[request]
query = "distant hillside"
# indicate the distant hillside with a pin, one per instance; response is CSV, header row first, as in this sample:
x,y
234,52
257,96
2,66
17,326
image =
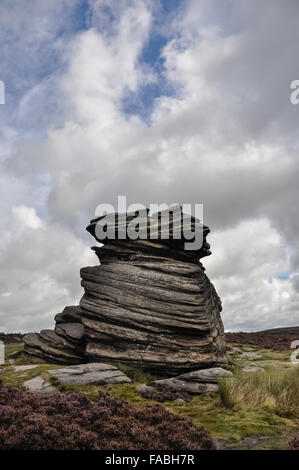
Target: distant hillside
x,y
276,338
11,337
288,329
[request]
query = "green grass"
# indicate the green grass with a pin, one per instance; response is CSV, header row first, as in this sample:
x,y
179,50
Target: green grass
x,y
276,390
13,350
129,393
251,404
138,375
232,425
14,378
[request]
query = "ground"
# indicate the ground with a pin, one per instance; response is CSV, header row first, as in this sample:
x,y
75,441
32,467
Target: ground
x,y
266,423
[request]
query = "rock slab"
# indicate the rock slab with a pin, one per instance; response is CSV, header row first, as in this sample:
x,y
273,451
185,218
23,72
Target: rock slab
x,y
64,345
196,382
38,384
89,374
252,369
251,356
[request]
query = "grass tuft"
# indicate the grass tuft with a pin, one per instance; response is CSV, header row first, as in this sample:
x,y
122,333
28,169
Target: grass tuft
x,y
273,389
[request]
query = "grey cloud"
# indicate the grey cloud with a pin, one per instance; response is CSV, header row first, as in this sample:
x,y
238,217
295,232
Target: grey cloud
x,y
228,140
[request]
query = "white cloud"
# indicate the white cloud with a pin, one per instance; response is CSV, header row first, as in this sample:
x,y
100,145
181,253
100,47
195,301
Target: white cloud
x,y
227,139
245,266
40,276
26,217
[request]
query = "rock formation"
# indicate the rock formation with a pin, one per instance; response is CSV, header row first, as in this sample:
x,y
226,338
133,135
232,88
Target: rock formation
x,y
196,382
64,345
149,304
89,374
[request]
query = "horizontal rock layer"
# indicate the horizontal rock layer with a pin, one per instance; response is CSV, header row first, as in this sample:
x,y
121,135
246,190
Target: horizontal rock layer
x,y
151,310
173,229
89,374
196,382
64,345
149,304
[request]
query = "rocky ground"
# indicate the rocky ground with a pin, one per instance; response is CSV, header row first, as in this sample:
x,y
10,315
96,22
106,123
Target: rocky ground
x,y
258,425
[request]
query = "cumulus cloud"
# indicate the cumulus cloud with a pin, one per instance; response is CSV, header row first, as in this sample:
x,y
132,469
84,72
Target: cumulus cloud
x,y
40,270
246,267
226,136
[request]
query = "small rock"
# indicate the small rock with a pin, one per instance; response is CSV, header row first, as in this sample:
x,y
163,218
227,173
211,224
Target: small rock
x,y
11,361
252,369
195,388
234,350
71,314
179,401
145,388
205,375
280,367
17,368
38,384
251,356
196,382
95,373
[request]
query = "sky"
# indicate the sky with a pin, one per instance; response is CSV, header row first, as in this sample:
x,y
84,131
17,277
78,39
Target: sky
x,y
164,101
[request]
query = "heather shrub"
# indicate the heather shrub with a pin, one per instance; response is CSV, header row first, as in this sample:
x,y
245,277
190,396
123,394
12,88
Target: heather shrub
x,y
30,421
279,342
163,393
294,444
9,338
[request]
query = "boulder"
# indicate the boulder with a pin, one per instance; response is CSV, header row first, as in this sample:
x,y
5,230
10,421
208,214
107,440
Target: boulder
x,y
21,368
55,346
148,305
89,374
70,331
251,356
195,382
145,388
70,314
252,369
38,384
195,388
206,375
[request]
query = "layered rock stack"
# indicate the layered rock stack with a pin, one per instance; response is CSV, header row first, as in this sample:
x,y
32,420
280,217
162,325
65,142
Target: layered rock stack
x,y
64,345
149,304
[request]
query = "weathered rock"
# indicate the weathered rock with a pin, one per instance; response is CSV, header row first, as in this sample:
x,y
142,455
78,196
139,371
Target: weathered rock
x,y
145,388
234,350
190,387
148,305
206,375
179,401
70,331
48,346
38,384
21,368
251,356
71,314
195,382
282,366
92,374
252,369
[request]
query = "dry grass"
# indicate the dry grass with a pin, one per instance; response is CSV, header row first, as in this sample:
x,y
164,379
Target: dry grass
x,y
276,390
